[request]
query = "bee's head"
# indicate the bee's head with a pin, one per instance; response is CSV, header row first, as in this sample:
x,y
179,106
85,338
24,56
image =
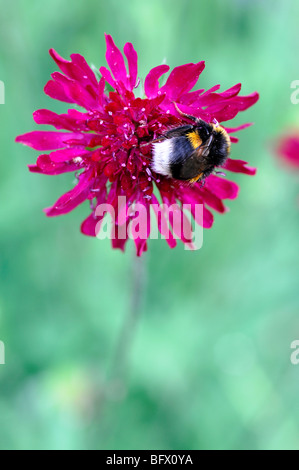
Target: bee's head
x,y
216,142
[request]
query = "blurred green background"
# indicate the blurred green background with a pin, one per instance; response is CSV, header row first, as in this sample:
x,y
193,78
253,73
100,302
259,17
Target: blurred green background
x,y
209,366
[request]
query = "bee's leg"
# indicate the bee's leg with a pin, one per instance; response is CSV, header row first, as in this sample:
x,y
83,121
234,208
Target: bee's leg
x,y
206,146
220,173
178,131
159,139
188,116
216,122
197,178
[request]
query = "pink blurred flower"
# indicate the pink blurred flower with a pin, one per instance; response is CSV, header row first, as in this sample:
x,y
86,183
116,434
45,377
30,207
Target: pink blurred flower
x,y
104,145
288,149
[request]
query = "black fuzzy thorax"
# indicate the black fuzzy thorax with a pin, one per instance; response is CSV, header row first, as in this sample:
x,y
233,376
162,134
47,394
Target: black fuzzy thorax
x,y
185,164
219,147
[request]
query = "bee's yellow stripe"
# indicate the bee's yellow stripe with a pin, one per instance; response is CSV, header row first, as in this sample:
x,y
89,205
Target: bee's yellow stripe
x,y
194,139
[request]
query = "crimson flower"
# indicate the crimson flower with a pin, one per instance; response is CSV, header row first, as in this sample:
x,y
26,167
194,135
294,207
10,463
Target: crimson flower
x,y
108,146
288,149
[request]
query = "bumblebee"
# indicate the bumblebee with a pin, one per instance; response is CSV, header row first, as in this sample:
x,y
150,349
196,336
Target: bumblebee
x,y
191,152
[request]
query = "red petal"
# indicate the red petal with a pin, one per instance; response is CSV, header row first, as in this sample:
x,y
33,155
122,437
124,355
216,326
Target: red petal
x,y
67,154
87,71
181,224
45,166
222,188
239,166
213,201
231,130
73,198
81,96
56,91
228,109
59,121
88,226
151,83
162,223
44,140
132,59
208,218
209,97
74,91
115,61
182,79
108,77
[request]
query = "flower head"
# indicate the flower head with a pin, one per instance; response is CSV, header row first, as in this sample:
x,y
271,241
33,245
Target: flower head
x,y
288,149
108,146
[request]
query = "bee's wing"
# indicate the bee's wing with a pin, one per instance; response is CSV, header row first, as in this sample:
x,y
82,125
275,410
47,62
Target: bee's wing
x,y
193,166
204,149
197,163
178,131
